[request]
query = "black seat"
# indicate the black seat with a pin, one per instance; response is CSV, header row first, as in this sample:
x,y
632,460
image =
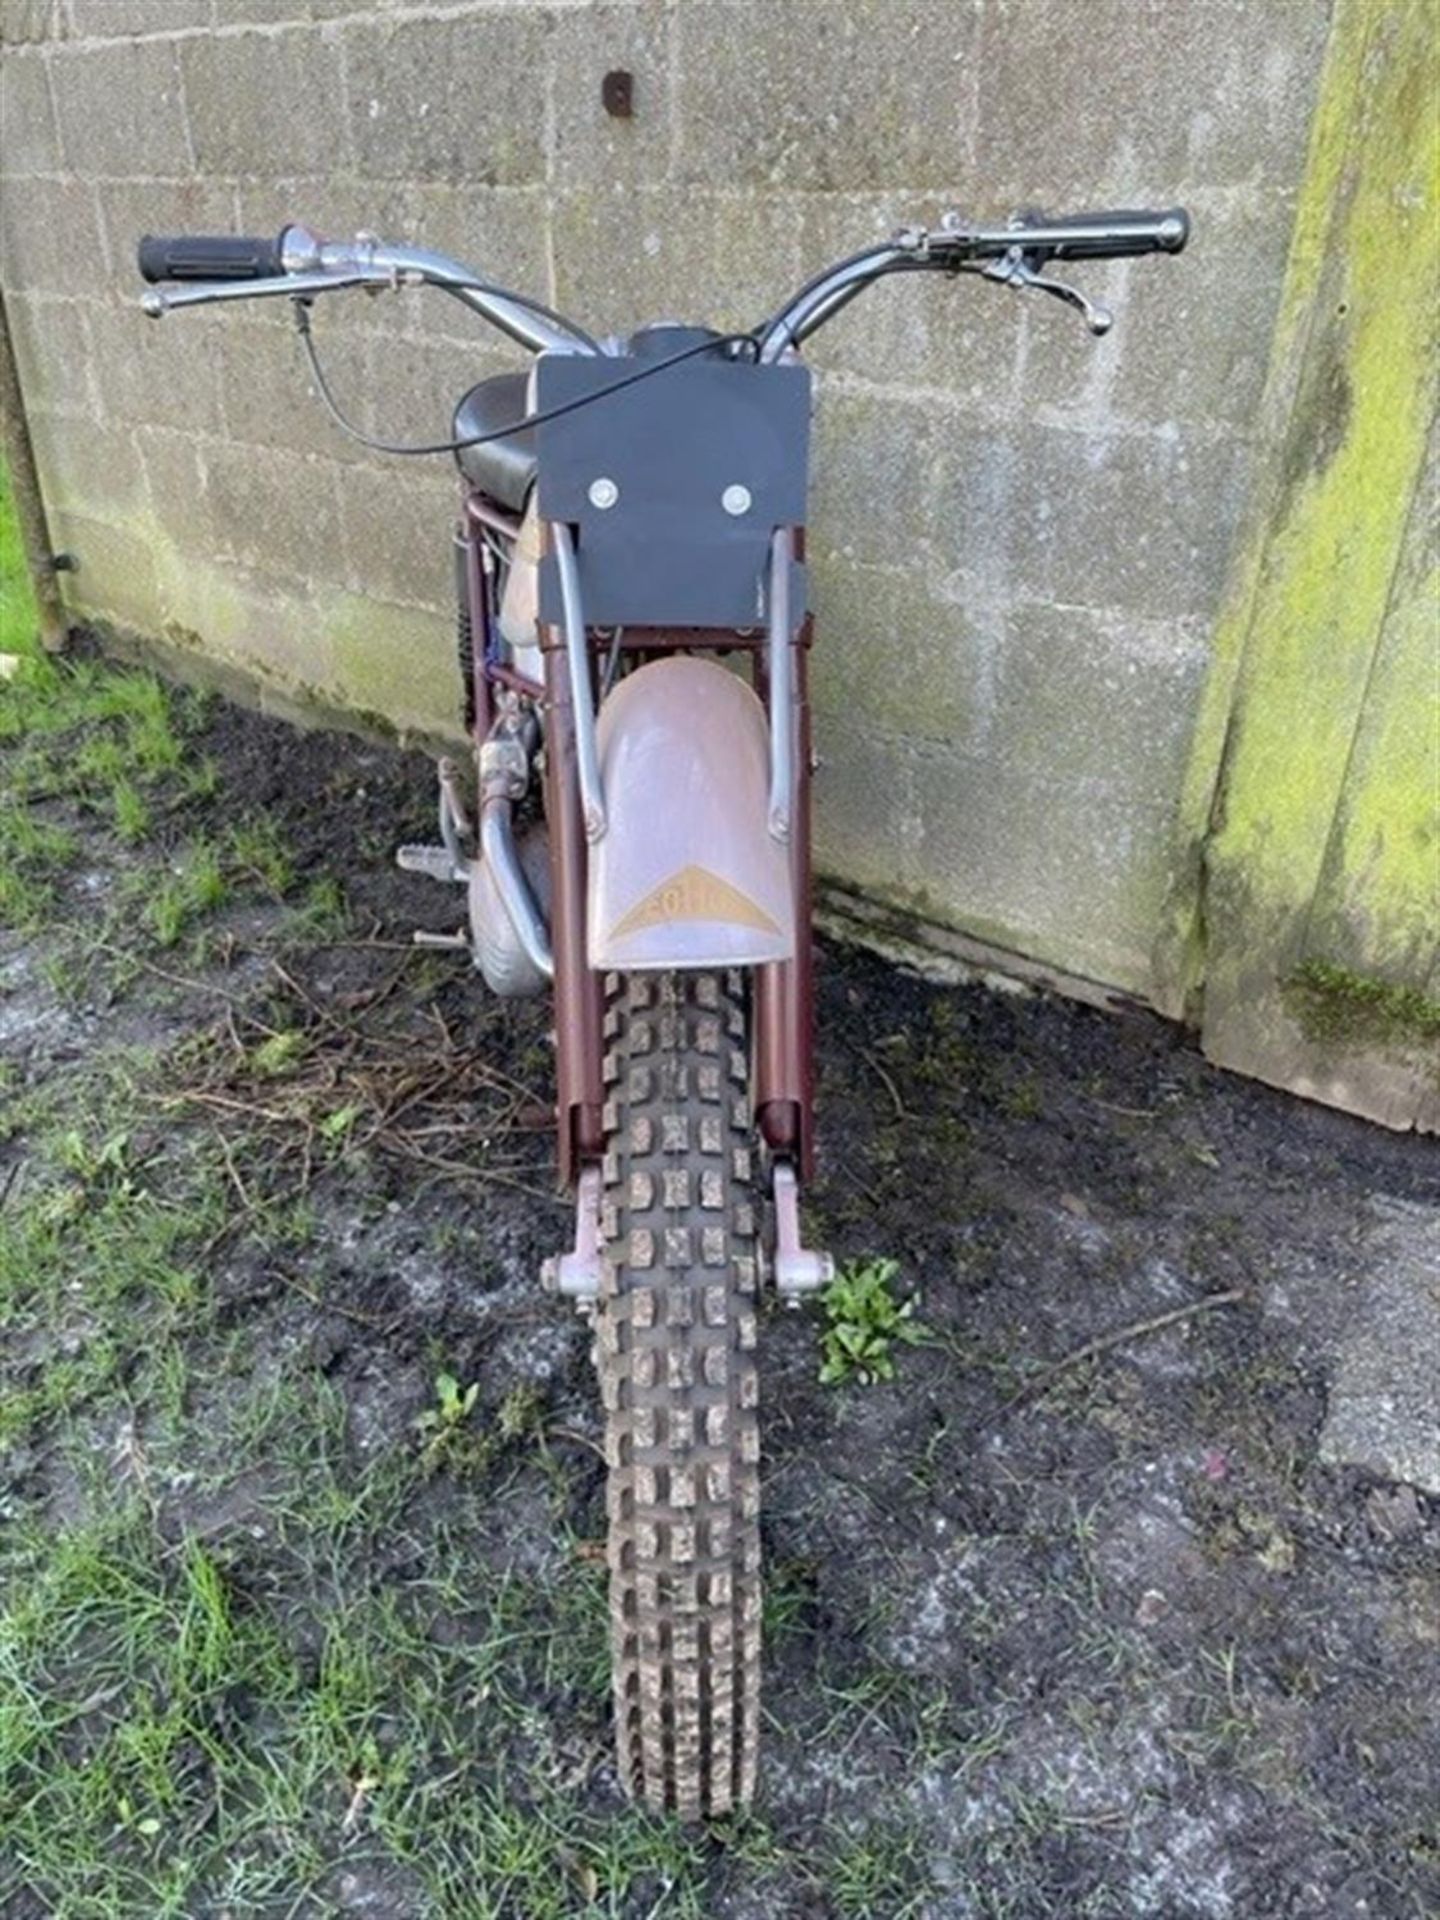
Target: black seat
x,y
503,468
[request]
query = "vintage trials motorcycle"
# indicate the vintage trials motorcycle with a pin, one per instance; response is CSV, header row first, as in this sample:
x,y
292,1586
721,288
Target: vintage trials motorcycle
x,y
630,533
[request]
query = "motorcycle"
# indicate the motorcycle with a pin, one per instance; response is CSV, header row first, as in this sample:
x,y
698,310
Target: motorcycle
x,y
633,636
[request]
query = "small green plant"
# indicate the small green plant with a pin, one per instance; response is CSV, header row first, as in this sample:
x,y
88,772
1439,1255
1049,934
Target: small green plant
x,y
255,847
132,815
196,887
864,1321
444,1424
336,1126
277,1053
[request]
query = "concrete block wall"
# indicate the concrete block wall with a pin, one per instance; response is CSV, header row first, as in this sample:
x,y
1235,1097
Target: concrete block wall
x,y
1020,536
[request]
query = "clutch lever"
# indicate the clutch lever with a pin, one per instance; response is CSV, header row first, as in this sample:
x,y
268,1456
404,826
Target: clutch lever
x,y
1020,269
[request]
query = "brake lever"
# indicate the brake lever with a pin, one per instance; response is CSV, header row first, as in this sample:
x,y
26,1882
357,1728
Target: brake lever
x,y
1016,269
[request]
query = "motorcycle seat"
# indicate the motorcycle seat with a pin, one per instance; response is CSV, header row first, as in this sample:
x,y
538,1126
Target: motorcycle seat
x,y
504,469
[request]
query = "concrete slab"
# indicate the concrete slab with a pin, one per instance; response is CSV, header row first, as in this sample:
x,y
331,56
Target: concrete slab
x,y
1384,1411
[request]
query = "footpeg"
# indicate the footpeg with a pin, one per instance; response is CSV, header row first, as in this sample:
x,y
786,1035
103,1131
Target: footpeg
x,y
799,1271
576,1274
436,863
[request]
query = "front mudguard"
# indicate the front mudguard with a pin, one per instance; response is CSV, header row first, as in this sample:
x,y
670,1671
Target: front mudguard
x,y
687,873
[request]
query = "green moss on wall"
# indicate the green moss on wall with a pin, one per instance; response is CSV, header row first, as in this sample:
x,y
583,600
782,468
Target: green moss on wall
x,y
1336,1006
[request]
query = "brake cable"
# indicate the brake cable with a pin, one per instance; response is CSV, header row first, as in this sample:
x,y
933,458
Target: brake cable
x,y
526,421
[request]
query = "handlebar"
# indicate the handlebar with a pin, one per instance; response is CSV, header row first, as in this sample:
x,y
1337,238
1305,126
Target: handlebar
x,y
1119,235
298,265
209,256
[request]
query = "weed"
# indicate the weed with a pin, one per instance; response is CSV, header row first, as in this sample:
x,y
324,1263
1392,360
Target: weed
x,y
335,1126
322,914
877,1870
256,849
444,1423
277,1053
864,1321
132,814
194,887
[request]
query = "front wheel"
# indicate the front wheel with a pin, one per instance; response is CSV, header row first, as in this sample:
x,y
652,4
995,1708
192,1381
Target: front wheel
x,y
675,1351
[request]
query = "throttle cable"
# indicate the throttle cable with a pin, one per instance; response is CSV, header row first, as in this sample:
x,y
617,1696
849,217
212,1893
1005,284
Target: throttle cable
x,y
521,425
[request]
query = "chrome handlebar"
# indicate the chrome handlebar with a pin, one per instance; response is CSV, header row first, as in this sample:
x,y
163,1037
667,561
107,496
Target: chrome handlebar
x,y
1013,254
314,266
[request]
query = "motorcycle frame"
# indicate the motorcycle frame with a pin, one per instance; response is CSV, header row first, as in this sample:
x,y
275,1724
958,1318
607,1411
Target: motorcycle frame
x,y
783,991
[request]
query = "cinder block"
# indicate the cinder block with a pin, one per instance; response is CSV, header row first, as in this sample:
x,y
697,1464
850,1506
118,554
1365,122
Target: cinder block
x,y
1137,522
869,470
114,575
267,626
52,354
1130,102
397,662
277,512
158,373
455,100
125,19
177,482
88,466
892,651
875,93
1102,700
396,528
590,143
267,104
120,109
623,256
867,827
50,238
29,139
1068,872
25,22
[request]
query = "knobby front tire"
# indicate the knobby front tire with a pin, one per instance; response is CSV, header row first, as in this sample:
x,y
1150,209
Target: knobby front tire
x,y
676,1354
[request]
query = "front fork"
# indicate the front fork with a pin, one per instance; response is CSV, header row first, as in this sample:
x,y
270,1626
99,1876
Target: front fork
x,y
783,1059
784,1003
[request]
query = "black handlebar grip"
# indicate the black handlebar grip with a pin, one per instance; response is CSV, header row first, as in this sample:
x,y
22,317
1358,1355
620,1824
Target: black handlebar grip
x,y
1127,231
209,256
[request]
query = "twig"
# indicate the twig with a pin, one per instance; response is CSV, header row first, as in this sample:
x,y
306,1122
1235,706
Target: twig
x,y
319,1301
201,1097
901,1111
178,979
580,1439
234,1172
458,1169
1042,1382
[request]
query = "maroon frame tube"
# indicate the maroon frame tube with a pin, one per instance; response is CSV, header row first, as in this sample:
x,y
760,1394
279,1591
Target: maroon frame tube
x,y
785,989
477,589
579,992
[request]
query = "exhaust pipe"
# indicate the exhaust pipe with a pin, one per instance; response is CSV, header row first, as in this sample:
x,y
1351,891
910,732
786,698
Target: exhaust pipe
x,y
504,779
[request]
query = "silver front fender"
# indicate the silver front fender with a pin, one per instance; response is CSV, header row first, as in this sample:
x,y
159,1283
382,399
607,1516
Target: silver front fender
x,y
688,873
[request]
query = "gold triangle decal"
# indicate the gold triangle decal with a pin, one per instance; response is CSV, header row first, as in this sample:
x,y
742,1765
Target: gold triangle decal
x,y
694,894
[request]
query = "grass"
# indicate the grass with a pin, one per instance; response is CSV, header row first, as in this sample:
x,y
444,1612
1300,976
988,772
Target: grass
x,y
17,600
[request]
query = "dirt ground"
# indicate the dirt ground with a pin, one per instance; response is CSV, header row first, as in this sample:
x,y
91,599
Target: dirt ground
x,y
281,1638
